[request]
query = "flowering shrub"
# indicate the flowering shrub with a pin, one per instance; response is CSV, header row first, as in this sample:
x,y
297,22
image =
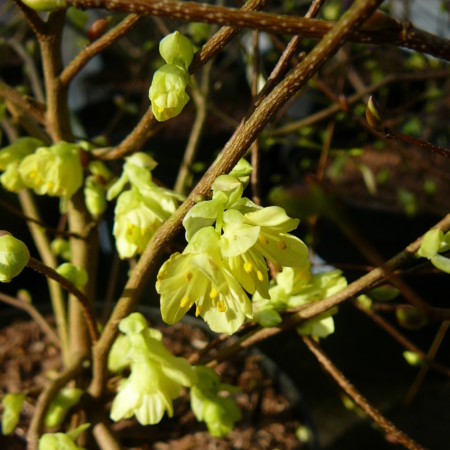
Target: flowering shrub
x,y
242,267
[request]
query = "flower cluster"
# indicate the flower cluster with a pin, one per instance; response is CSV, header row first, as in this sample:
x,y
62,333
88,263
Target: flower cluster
x,y
230,239
168,89
54,170
140,210
435,242
14,256
296,286
156,375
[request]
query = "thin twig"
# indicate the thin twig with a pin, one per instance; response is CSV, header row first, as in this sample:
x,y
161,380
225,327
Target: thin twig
x,y
46,397
358,398
400,338
429,358
199,95
35,314
36,265
96,47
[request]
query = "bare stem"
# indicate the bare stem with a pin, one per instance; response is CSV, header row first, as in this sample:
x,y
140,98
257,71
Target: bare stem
x,y
358,398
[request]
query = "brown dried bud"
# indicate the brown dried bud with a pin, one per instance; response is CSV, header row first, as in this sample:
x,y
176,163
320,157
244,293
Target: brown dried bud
x,y
97,29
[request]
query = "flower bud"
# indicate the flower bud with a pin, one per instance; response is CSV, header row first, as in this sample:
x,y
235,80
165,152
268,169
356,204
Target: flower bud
x,y
14,256
55,170
95,197
167,92
373,115
76,275
12,406
410,317
60,247
176,49
66,399
45,5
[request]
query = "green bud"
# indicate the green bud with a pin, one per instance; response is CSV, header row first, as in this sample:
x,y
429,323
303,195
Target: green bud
x,y
431,243
55,170
176,49
24,296
412,358
373,115
45,5
12,407
59,407
14,256
99,169
167,92
95,197
60,247
76,275
411,317
57,441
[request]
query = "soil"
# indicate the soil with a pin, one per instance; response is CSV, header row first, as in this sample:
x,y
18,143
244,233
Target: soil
x,y
270,419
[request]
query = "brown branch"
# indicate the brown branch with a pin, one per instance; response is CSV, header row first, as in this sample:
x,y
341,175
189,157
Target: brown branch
x,y
98,46
36,265
387,31
234,150
46,397
33,19
358,398
34,109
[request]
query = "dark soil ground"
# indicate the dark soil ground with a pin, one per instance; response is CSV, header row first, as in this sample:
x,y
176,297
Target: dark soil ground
x,y
270,419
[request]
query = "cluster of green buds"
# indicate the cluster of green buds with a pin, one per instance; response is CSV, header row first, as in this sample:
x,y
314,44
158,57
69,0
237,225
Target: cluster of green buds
x,y
168,89
141,209
156,376
230,239
55,171
296,286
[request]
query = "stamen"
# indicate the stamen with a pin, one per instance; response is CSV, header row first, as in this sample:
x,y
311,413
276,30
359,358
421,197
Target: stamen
x,y
281,245
213,294
221,307
184,301
188,276
143,231
198,310
263,239
130,228
260,275
248,267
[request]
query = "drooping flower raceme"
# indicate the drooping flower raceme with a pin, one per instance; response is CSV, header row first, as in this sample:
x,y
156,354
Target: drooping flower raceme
x,y
200,276
156,375
168,89
141,210
54,171
230,238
